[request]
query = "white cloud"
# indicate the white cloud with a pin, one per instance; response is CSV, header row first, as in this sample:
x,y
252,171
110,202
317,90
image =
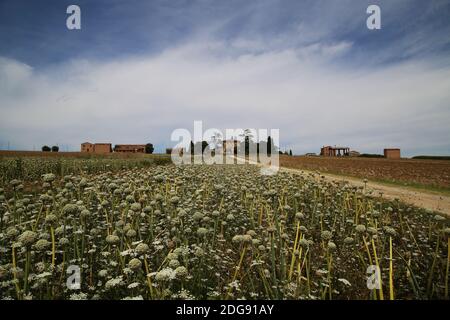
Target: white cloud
x,y
311,100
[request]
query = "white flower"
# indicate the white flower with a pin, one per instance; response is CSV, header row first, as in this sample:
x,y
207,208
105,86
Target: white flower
x,y
133,285
126,252
78,296
112,239
135,264
49,177
181,272
112,283
41,244
202,231
326,235
174,263
28,238
345,281
165,274
141,248
139,297
43,275
103,273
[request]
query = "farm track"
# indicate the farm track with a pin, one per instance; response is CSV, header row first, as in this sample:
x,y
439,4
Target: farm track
x,y
427,200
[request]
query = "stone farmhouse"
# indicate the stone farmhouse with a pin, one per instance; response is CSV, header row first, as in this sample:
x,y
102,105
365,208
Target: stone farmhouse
x,y
102,148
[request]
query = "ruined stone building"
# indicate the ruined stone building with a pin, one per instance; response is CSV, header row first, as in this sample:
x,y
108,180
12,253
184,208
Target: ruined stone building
x,y
329,151
96,147
392,153
102,148
130,148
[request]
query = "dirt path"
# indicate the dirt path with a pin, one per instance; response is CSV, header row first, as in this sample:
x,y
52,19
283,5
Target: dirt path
x,y
422,199
432,201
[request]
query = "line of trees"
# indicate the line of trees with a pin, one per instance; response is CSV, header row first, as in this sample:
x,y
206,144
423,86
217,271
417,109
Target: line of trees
x,y
247,144
286,152
216,143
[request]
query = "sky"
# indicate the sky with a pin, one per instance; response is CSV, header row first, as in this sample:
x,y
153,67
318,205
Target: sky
x,y
138,70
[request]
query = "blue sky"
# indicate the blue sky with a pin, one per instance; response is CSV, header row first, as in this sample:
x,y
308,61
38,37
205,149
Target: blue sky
x,y
137,70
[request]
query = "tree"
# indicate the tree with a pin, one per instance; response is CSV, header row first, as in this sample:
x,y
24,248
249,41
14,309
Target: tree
x,y
192,148
55,149
46,148
290,152
247,135
204,145
216,141
149,148
269,146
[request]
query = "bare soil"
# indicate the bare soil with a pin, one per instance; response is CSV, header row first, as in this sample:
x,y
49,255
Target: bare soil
x,y
422,199
406,172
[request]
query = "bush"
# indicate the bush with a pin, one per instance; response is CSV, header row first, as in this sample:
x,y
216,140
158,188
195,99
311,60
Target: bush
x,y
55,149
149,148
370,155
432,157
46,149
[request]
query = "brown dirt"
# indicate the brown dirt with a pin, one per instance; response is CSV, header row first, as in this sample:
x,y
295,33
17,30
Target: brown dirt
x,y
432,173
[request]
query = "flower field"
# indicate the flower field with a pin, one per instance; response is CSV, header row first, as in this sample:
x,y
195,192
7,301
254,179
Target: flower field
x,y
31,168
213,232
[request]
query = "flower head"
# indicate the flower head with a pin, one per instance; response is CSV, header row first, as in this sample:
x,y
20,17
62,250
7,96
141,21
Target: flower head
x,y
28,238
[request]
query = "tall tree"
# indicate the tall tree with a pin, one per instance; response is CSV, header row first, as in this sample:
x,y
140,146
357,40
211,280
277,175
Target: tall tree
x,y
191,147
149,148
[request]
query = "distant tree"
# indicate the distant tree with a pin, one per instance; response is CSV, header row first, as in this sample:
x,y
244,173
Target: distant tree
x,y
290,152
432,157
204,145
169,150
280,152
370,155
55,149
216,141
191,148
149,148
46,149
269,146
199,145
247,135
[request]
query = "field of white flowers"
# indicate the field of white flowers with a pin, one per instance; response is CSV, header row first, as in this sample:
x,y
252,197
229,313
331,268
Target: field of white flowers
x,y
213,232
